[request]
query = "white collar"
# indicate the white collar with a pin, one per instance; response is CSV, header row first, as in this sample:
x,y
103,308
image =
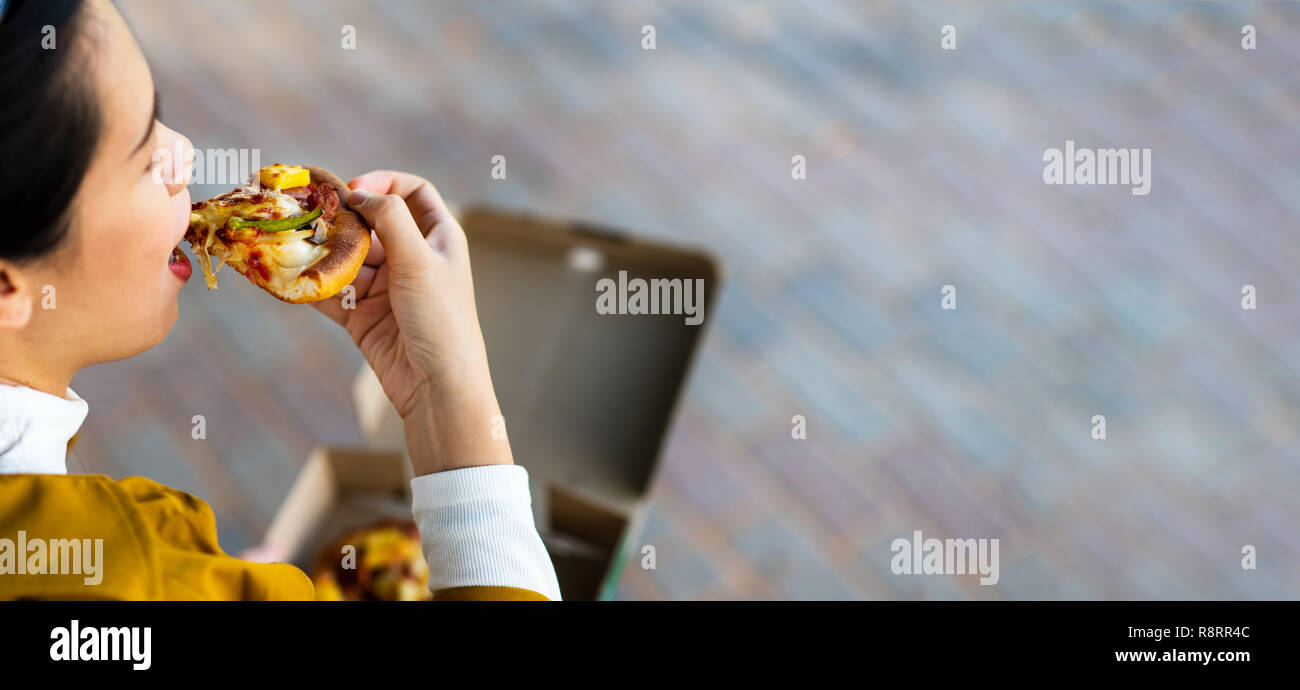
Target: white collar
x,y
35,428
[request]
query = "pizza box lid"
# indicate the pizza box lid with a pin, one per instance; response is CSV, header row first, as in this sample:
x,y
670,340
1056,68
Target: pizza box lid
x,y
587,397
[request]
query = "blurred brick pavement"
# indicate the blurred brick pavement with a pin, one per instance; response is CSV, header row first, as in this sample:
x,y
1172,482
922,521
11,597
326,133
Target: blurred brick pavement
x,y
924,169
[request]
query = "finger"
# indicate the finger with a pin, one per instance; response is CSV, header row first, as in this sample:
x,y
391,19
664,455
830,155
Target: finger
x,y
374,257
427,207
361,285
426,204
388,215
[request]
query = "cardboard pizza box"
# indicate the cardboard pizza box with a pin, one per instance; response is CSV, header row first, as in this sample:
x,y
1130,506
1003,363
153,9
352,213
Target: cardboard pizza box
x,y
338,490
587,397
341,489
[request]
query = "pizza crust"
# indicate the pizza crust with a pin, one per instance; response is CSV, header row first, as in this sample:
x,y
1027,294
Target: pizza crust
x,y
348,244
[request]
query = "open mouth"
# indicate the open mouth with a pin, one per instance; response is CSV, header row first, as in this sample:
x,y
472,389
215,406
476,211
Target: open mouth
x,y
180,264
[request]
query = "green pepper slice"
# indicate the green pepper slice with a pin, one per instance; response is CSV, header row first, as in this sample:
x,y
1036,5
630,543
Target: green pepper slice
x,y
276,224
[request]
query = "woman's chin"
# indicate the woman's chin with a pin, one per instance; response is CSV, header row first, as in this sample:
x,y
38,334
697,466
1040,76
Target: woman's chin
x,y
161,325
148,336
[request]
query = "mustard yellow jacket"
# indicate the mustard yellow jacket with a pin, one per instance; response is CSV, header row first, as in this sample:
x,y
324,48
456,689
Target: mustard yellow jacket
x,y
158,543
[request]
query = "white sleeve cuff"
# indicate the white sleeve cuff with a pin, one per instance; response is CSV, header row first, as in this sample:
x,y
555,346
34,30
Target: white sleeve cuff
x,y
476,527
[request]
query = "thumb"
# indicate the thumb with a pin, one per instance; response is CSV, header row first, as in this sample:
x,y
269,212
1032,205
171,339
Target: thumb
x,y
387,214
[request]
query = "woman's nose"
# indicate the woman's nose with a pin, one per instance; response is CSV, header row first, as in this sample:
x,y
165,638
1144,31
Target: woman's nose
x,y
184,162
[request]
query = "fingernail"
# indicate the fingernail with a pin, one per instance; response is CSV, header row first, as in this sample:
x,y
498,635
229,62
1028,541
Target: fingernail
x,y
358,197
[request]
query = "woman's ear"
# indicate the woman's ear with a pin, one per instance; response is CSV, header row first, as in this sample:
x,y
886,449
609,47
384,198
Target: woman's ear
x,y
15,299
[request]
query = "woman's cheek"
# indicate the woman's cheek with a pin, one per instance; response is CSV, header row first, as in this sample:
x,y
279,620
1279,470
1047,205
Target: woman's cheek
x,y
153,228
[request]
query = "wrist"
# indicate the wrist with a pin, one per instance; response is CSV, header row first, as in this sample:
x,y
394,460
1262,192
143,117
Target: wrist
x,y
453,432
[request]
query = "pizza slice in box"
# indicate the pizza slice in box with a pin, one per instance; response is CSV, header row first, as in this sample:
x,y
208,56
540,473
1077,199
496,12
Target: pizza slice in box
x,y
385,563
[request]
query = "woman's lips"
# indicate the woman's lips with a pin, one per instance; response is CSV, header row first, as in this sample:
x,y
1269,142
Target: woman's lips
x,y
180,265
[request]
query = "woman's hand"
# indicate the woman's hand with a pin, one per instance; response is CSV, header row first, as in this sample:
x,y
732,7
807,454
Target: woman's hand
x,y
415,321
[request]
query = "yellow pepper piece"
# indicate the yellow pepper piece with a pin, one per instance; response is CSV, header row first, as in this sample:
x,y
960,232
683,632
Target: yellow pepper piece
x,y
279,176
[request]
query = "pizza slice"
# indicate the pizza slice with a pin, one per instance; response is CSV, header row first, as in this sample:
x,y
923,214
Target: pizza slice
x,y
387,564
292,235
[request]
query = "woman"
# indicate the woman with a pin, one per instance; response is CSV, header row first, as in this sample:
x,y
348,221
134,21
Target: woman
x,y
84,214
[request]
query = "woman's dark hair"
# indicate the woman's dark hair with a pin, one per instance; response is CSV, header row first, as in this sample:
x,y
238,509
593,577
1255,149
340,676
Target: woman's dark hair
x,y
49,123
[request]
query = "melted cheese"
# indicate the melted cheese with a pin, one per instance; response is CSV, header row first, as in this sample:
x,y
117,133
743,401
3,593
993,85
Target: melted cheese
x,y
245,204
285,255
296,254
